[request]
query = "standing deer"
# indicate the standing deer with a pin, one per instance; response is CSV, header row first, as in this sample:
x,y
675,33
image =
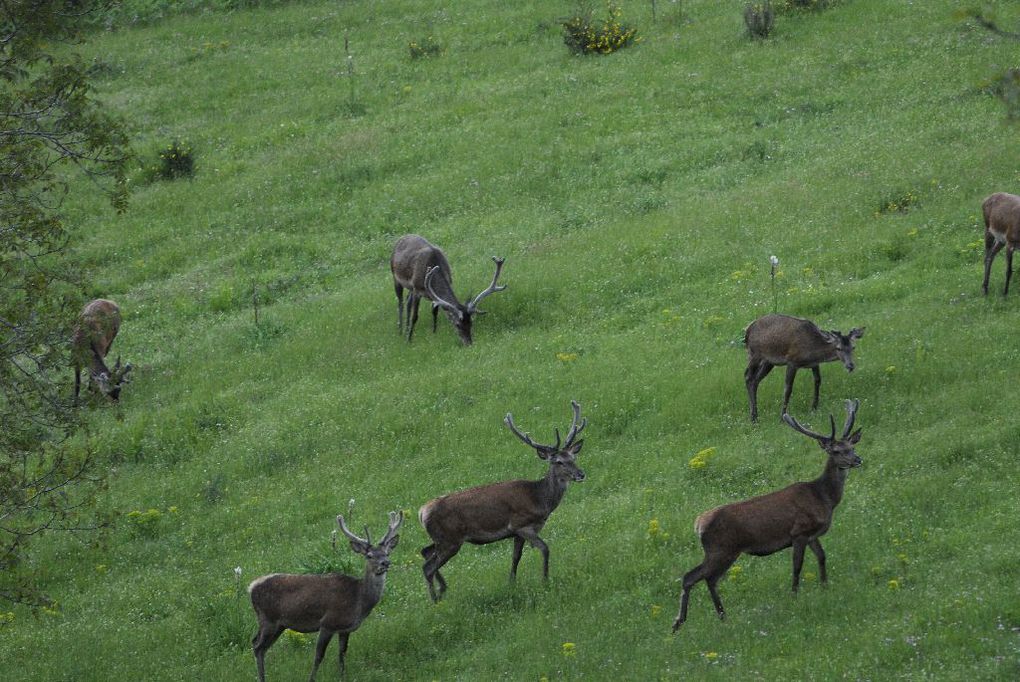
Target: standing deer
x,y
797,515
784,340
1002,228
423,270
97,327
510,509
330,603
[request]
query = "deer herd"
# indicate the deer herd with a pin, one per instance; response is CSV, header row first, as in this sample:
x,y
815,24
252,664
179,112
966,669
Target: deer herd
x,y
795,516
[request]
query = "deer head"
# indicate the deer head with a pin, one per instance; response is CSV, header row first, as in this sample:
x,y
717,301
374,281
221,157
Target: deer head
x,y
109,382
378,556
840,450
460,314
843,345
561,459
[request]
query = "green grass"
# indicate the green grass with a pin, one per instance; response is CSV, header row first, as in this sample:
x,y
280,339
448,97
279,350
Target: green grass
x,y
637,198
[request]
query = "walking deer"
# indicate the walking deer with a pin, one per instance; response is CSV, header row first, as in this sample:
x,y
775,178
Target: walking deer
x,y
784,340
1002,228
330,603
97,327
423,270
498,511
797,515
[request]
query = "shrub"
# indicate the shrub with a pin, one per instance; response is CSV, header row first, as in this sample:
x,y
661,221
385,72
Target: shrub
x,y
583,35
788,6
175,161
759,19
425,48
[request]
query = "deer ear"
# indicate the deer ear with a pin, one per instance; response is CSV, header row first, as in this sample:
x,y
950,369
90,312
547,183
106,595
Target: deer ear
x,y
359,547
545,452
856,332
392,542
576,447
855,437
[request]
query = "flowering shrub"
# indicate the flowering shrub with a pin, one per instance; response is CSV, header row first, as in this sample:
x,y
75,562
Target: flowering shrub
x,y
584,35
424,48
175,161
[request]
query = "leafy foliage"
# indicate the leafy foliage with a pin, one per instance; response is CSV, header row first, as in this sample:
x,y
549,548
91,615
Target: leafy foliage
x,y
48,121
759,19
582,34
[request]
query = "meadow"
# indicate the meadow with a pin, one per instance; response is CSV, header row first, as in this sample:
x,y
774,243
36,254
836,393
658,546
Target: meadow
x,y
637,198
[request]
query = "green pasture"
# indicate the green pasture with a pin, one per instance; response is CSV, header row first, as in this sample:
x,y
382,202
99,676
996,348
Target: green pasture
x,y
637,198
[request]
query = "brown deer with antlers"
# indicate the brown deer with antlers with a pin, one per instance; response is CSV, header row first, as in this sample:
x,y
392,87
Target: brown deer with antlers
x,y
797,343
422,269
330,603
794,516
97,327
498,511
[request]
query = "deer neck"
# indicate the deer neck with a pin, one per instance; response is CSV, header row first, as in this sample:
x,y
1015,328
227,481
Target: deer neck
x,y
551,490
96,363
829,485
371,588
441,285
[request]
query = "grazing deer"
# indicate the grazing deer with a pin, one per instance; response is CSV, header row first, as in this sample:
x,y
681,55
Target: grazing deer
x,y
1002,228
423,270
97,327
783,340
797,515
510,509
330,603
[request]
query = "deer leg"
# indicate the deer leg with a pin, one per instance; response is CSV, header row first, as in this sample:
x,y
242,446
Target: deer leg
x,y
77,381
798,562
537,542
412,314
400,306
818,385
816,547
342,643
431,570
992,247
1009,268
435,317
518,549
261,642
691,579
791,372
751,383
320,650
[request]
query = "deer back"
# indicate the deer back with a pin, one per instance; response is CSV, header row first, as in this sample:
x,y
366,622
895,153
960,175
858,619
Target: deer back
x,y
413,256
484,513
786,340
307,602
97,327
1002,217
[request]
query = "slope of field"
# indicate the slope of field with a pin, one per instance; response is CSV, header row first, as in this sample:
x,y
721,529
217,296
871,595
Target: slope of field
x,y
637,198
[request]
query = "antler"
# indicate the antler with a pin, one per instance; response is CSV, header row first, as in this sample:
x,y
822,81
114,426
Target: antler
x,y
473,305
807,432
346,531
574,428
396,518
509,421
436,298
851,415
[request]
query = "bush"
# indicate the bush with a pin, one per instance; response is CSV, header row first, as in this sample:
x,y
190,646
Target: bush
x,y
788,6
583,35
425,48
175,161
759,19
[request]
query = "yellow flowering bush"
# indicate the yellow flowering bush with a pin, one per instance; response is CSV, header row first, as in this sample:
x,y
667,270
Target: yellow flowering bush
x,y
175,161
700,459
424,48
584,35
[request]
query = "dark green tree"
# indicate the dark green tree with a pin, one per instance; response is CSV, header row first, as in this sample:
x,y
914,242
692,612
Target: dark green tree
x,y
51,130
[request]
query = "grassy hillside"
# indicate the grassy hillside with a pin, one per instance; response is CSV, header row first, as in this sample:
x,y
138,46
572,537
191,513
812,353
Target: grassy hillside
x,y
637,198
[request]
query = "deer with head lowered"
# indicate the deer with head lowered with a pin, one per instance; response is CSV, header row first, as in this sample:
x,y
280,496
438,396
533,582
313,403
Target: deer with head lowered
x,y
498,511
795,516
795,342
330,603
422,269
1002,229
97,327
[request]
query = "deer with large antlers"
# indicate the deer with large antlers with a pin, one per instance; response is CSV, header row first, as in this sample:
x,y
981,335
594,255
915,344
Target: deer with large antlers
x,y
795,516
97,327
330,603
498,511
422,269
